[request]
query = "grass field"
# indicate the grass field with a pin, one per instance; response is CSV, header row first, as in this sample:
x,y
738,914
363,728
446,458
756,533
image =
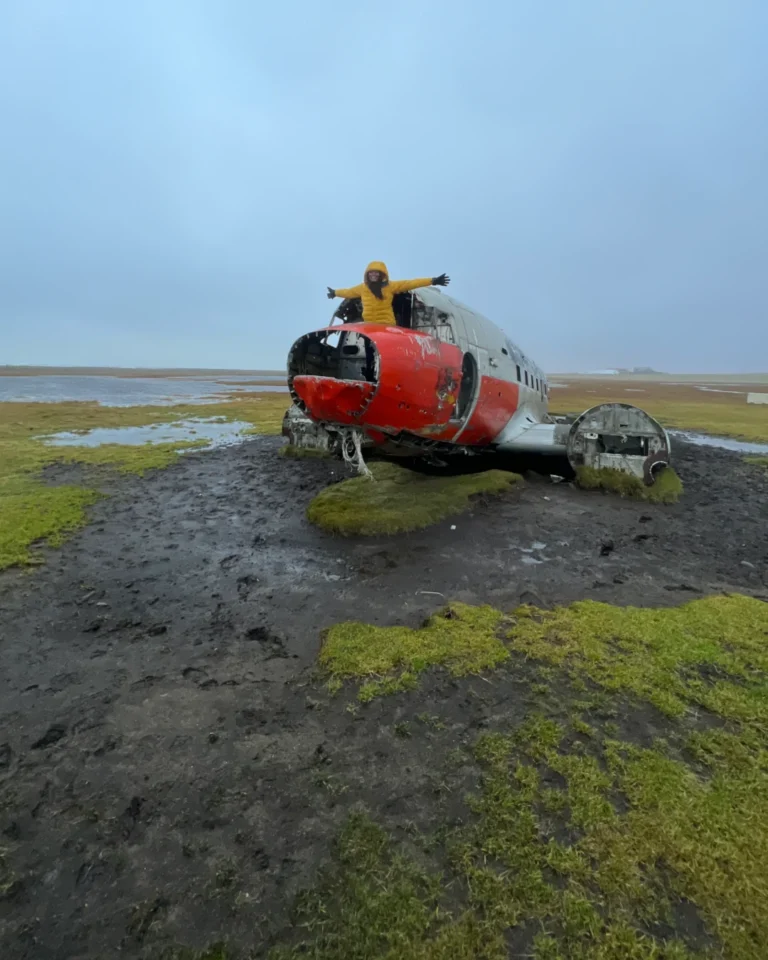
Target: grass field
x,y
679,405
31,511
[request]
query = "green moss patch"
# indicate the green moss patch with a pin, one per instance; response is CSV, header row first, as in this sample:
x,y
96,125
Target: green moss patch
x,y
461,638
303,453
578,843
40,514
711,653
758,461
667,488
398,500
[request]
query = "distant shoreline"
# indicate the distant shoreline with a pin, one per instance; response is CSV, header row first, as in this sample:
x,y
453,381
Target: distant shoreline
x,y
164,373
168,373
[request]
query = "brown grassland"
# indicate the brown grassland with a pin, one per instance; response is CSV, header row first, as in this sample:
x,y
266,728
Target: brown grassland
x,y
679,405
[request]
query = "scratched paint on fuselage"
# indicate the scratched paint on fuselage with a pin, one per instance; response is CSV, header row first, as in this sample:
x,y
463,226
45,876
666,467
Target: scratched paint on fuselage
x,y
413,367
496,403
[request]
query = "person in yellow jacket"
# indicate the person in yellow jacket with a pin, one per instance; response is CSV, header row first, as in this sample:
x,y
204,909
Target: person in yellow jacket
x,y
377,290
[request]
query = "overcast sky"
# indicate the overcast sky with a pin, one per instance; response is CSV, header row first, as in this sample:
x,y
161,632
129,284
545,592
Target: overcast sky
x,y
181,179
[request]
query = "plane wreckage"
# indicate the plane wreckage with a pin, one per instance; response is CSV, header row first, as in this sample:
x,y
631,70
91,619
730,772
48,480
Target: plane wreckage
x,y
446,381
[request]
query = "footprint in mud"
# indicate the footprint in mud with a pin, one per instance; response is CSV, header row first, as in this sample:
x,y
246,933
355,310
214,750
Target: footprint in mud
x,y
53,734
376,563
271,644
199,677
146,915
131,816
63,680
244,585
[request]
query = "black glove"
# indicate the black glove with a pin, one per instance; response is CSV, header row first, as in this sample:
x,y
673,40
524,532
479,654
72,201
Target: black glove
x,y
331,293
442,281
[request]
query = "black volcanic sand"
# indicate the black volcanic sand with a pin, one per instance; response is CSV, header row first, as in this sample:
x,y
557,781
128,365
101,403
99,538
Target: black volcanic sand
x,y
167,754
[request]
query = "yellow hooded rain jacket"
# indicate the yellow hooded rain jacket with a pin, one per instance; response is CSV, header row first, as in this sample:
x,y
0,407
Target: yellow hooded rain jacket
x,y
380,311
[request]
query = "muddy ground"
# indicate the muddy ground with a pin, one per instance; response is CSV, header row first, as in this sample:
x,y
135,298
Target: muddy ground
x,y
172,771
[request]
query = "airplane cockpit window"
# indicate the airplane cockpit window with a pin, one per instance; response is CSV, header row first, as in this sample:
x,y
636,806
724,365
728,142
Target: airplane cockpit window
x,y
519,377
431,320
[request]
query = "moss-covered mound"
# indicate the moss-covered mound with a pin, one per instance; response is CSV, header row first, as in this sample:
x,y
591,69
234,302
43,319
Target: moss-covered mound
x,y
667,488
398,500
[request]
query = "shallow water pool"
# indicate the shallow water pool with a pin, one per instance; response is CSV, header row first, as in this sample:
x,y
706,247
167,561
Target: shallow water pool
x,y
215,430
725,443
122,391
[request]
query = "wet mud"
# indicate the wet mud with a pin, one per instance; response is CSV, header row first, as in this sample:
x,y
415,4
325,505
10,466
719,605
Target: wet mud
x,y
171,769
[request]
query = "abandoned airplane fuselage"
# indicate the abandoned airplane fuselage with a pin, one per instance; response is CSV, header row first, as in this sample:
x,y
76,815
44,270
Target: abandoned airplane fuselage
x,y
444,381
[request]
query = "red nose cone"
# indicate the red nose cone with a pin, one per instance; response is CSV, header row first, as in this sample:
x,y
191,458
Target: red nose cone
x,y
338,401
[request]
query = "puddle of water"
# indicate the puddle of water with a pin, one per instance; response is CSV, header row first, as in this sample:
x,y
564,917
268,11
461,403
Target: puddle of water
x,y
725,443
218,433
720,390
527,553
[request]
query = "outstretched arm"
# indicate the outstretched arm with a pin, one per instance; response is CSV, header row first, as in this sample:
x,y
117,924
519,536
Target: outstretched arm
x,y
346,293
402,286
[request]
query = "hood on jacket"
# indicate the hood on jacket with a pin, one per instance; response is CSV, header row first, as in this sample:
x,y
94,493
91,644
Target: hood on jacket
x,y
376,265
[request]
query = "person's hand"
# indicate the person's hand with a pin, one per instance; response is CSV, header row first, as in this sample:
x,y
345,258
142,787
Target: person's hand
x,y
331,293
442,281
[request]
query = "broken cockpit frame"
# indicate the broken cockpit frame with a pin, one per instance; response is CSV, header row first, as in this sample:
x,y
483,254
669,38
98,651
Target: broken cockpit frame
x,y
346,362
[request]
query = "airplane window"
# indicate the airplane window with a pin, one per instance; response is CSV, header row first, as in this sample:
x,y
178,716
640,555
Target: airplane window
x,y
505,351
526,378
519,378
